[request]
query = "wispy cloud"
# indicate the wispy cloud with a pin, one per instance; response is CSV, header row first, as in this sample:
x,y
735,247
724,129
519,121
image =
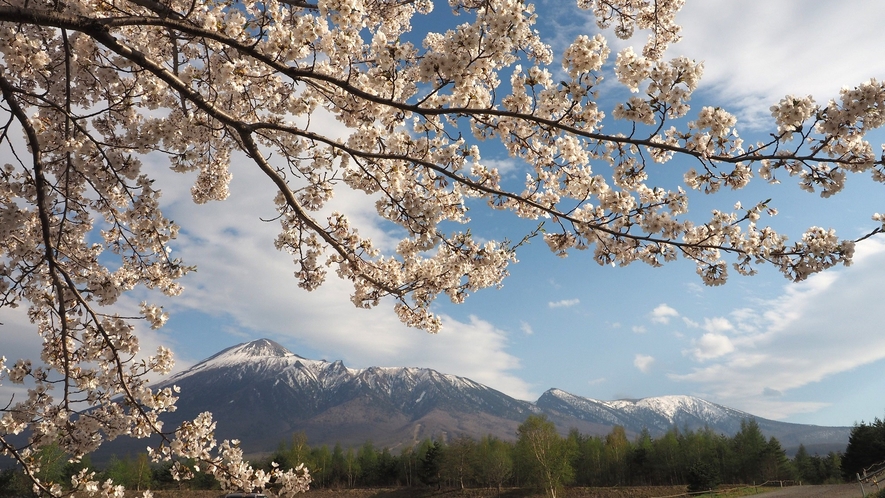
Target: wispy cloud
x,y
639,329
526,328
695,288
565,303
754,72
747,320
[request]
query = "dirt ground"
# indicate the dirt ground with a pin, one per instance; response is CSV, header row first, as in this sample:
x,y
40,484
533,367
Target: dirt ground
x,y
626,492
825,491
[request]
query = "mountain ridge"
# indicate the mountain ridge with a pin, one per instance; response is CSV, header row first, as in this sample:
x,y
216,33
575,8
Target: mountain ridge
x,y
261,393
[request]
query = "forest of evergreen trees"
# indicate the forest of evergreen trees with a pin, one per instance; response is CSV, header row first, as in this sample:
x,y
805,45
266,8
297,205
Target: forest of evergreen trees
x,y
539,458
866,449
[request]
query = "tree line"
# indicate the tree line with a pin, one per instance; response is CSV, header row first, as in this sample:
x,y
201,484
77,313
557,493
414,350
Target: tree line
x,y
540,458
866,449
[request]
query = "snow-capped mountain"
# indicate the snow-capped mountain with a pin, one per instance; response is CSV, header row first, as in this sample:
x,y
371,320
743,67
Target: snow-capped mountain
x,y
663,413
261,393
658,414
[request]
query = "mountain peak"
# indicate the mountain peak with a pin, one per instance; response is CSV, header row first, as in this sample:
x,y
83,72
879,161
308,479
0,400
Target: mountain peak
x,y
261,347
247,353
559,393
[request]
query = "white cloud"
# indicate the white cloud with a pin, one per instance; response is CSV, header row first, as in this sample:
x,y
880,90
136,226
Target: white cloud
x,y
690,323
643,362
504,166
712,345
565,303
755,52
639,329
820,328
20,341
243,280
663,313
475,349
783,48
717,324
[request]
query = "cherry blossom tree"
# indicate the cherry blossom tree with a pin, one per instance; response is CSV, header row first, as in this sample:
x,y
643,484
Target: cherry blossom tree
x,y
92,87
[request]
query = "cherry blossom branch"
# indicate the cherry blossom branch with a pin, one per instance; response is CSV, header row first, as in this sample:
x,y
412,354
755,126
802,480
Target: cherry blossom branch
x,y
202,81
99,28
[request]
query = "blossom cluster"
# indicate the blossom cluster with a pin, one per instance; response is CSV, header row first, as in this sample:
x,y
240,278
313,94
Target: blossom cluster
x,y
90,88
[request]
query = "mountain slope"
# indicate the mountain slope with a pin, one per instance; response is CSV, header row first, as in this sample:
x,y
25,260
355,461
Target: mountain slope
x,y
261,393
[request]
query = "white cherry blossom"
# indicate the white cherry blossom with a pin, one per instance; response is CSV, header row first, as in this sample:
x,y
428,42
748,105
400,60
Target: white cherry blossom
x,y
90,88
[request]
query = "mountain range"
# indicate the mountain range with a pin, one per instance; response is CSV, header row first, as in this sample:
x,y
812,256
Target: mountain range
x,y
261,393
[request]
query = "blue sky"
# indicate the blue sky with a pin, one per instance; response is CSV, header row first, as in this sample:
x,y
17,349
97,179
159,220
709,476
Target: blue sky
x,y
811,353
